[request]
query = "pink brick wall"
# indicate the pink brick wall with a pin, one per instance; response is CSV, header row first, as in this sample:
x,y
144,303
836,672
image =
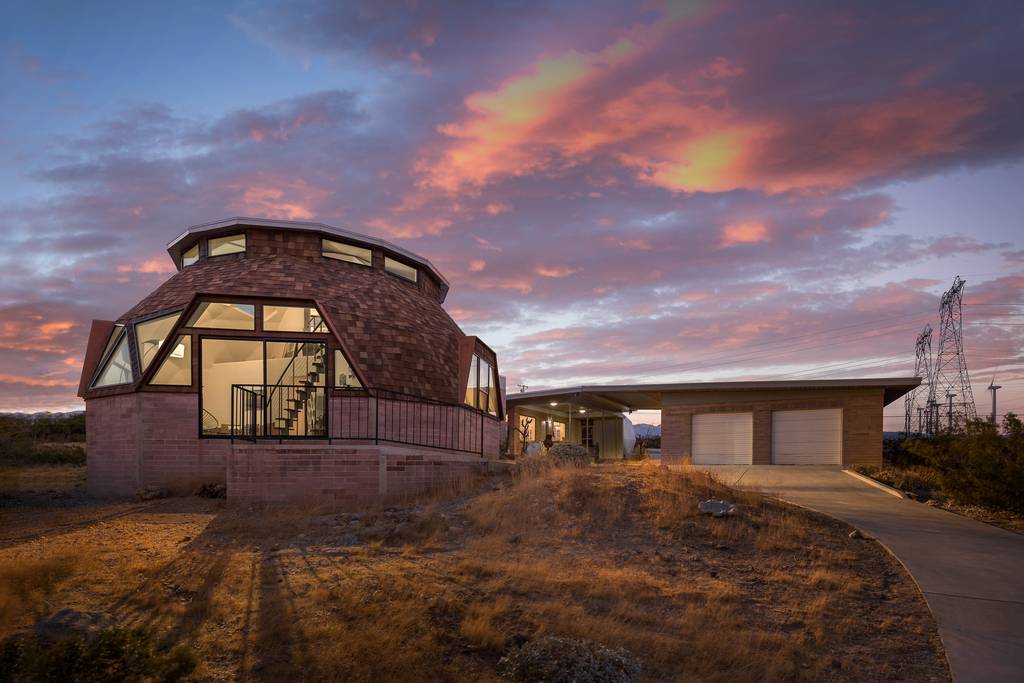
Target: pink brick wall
x,y
112,466
149,439
173,455
339,475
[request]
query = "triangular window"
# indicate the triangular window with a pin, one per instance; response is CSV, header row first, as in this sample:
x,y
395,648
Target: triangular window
x,y
176,370
344,376
151,335
118,366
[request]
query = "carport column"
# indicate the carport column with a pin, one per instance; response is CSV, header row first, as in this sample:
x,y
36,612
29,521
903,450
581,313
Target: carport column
x,y
762,447
675,434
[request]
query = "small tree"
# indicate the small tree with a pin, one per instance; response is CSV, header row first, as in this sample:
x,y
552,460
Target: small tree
x,y
523,430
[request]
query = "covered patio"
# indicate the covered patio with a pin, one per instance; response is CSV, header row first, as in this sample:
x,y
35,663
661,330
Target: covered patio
x,y
592,417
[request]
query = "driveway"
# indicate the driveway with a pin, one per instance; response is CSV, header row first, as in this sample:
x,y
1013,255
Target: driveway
x,y
971,574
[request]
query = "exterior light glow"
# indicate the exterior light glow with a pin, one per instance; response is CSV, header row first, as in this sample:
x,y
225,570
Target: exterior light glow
x,y
553,404
583,410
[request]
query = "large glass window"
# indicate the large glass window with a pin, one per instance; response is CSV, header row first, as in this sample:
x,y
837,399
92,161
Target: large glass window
x,y
227,362
150,336
224,316
118,367
400,269
176,370
292,319
190,256
264,387
231,244
346,252
343,373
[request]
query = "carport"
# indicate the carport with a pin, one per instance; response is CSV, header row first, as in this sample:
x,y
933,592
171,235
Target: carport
x,y
780,422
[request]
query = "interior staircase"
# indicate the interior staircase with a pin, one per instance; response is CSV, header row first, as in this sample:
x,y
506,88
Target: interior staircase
x,y
300,385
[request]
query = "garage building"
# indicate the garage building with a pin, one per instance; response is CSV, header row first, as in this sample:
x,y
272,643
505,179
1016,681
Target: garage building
x,y
798,422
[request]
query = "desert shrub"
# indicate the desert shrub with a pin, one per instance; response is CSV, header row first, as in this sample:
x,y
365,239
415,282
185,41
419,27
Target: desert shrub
x,y
569,454
112,655
569,660
897,452
979,466
23,450
921,480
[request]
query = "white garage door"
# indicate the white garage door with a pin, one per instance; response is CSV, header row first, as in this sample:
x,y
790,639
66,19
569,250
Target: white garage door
x,y
723,438
807,437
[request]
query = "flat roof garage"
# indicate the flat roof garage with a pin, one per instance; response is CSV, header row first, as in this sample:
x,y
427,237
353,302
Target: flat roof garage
x,y
788,422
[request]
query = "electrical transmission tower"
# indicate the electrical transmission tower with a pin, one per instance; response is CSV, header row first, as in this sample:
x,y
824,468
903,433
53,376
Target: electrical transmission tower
x,y
916,415
951,385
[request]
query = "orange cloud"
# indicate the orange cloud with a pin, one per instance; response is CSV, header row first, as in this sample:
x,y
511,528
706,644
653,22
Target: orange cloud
x,y
153,265
685,130
553,271
743,233
278,198
476,265
35,381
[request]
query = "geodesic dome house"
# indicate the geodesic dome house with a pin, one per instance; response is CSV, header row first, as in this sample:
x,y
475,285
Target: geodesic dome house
x,y
291,361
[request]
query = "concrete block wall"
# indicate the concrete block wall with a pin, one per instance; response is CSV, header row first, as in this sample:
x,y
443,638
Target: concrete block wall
x,y
318,473
171,453
862,419
111,444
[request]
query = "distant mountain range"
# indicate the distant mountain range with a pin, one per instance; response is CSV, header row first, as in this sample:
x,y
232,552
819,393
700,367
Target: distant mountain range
x,y
43,414
646,430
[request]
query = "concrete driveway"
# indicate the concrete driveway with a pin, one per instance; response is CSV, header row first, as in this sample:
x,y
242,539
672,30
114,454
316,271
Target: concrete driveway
x,y
971,573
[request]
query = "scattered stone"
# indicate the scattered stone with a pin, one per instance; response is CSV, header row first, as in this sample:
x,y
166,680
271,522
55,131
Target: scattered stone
x,y
717,508
213,491
152,493
857,533
71,622
569,660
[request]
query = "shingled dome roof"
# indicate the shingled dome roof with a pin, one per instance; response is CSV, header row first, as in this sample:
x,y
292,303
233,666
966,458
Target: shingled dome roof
x,y
394,331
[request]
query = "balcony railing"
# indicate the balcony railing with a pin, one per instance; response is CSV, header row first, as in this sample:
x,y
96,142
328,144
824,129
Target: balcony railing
x,y
354,414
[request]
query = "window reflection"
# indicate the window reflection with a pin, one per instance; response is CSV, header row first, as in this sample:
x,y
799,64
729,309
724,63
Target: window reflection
x,y
224,316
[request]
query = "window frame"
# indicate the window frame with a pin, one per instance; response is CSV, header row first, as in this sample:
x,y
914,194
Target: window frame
x,y
197,381
474,384
388,261
185,262
194,315
323,329
341,256
190,354
121,338
226,239
143,367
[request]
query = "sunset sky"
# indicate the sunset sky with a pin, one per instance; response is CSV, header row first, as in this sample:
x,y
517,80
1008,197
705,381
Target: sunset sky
x,y
618,192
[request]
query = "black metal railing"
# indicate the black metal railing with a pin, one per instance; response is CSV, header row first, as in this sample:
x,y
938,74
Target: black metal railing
x,y
354,414
278,411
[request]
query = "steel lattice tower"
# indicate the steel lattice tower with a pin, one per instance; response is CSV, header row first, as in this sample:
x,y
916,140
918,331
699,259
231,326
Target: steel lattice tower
x,y
949,395
922,369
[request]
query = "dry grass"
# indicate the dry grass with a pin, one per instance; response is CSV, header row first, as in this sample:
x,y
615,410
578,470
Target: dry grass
x,y
439,590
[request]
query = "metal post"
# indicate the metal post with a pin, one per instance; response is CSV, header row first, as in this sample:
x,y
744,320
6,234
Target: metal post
x,y
950,396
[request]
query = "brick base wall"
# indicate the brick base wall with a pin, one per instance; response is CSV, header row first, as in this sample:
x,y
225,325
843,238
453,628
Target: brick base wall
x,y
862,422
339,475
151,439
111,445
